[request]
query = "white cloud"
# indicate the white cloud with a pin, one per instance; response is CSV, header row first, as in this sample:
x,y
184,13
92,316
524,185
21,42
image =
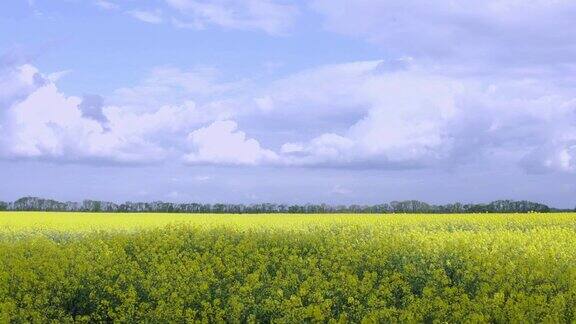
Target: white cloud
x,y
339,190
48,124
552,157
416,117
269,16
168,85
17,83
329,148
222,143
151,17
56,76
162,124
392,116
292,148
38,121
463,32
374,114
107,5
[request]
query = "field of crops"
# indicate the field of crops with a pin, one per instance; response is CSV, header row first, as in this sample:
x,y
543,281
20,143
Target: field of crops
x,y
287,268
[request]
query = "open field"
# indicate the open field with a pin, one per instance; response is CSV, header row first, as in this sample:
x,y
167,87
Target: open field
x,y
287,268
42,222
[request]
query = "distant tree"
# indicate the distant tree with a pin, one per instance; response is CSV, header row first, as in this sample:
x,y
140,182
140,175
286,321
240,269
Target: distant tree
x,y
407,206
92,206
410,206
38,204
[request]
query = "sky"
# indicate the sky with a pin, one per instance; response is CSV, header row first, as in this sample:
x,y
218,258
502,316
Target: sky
x,y
317,101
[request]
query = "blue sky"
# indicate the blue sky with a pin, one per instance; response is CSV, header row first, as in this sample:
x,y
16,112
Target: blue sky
x,y
288,101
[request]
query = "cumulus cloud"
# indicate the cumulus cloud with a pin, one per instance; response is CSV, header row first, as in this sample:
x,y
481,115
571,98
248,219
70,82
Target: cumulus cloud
x,y
392,115
38,121
50,125
222,143
405,116
17,82
386,114
270,16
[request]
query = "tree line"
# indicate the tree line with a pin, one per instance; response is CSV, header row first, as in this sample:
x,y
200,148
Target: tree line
x,y
408,206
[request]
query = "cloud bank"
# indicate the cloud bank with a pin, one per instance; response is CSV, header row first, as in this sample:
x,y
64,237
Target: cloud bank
x,y
394,118
461,83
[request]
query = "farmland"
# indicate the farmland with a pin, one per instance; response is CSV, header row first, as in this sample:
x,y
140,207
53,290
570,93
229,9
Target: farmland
x,y
287,268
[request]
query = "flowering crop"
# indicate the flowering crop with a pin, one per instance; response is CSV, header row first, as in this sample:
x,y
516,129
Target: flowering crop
x,y
287,268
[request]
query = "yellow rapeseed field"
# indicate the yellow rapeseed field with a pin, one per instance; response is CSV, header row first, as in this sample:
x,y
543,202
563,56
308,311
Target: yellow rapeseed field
x,y
84,222
80,267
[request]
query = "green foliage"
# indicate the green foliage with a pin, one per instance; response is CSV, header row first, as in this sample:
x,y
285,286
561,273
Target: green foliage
x,y
408,206
441,272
